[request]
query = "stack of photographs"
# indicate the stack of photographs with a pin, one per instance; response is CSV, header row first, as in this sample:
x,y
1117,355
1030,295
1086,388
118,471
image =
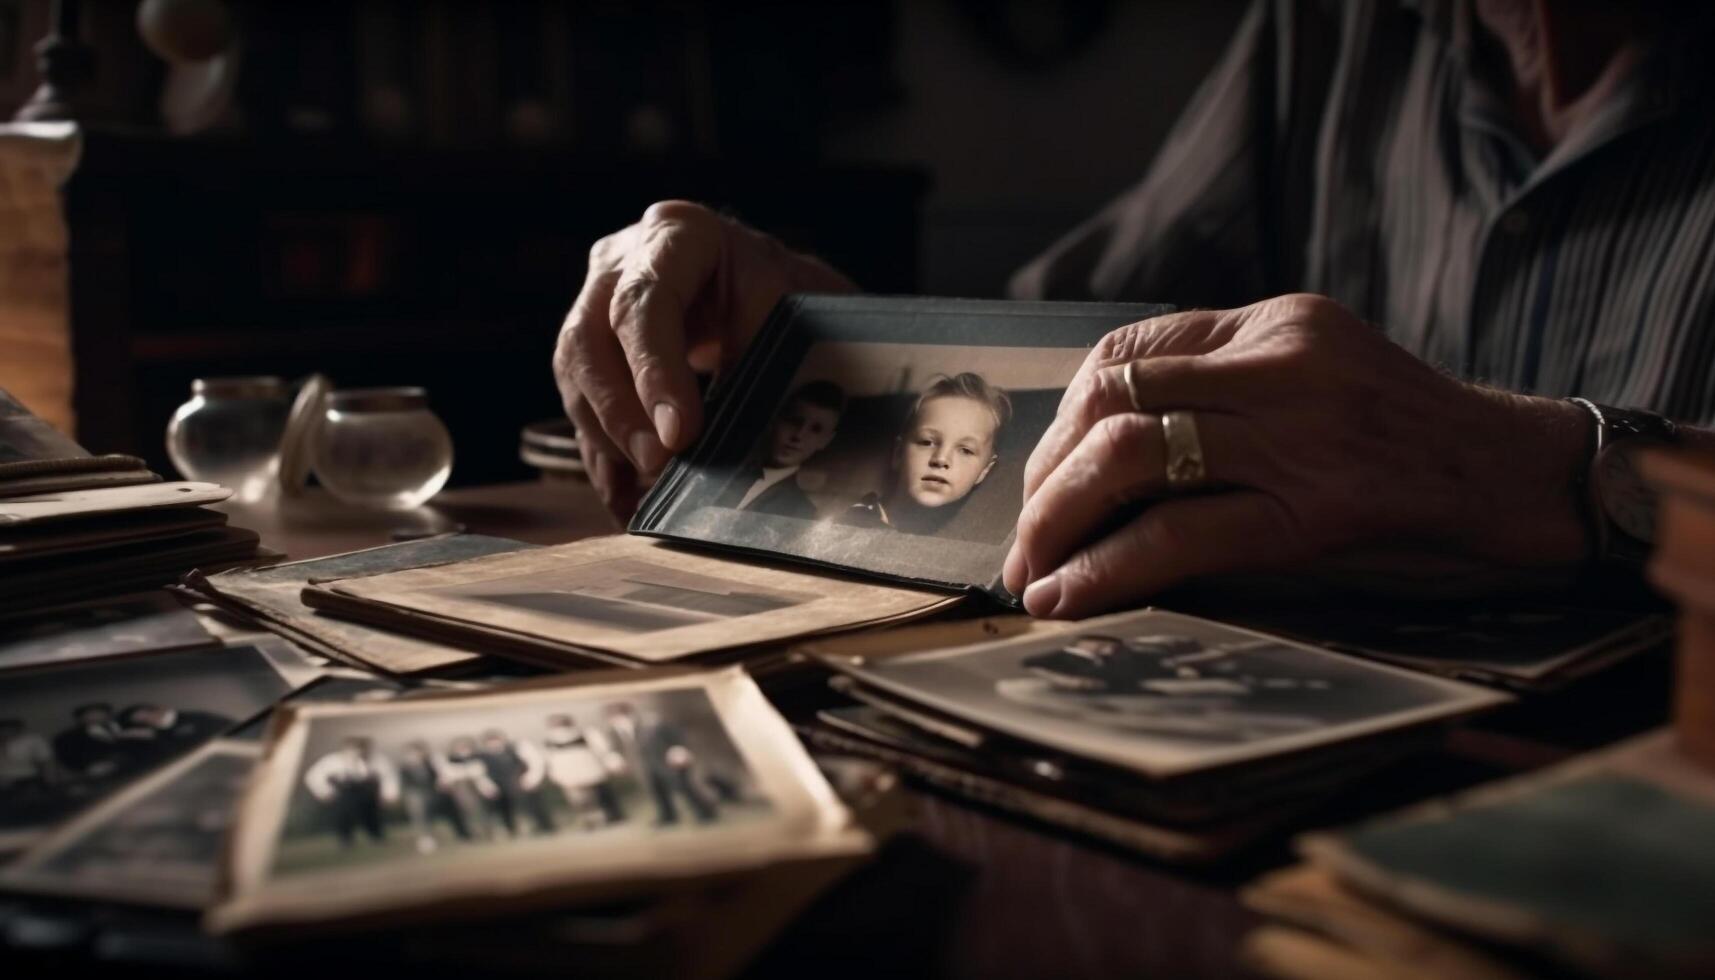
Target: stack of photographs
x,y
74,526
1527,644
620,600
272,597
1162,733
544,793
1603,866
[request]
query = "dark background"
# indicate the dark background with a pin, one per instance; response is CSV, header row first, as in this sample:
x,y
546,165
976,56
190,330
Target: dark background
x,y
404,192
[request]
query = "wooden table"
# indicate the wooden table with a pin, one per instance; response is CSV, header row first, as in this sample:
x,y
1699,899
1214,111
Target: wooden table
x,y
972,893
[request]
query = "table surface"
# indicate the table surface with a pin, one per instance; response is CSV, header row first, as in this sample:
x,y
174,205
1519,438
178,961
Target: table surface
x,y
969,892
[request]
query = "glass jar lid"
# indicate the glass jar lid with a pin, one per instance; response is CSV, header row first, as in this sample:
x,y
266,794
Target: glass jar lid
x,y
257,386
302,423
378,400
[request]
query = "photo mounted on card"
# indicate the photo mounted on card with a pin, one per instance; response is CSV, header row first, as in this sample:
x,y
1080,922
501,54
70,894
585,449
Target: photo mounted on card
x,y
880,434
613,787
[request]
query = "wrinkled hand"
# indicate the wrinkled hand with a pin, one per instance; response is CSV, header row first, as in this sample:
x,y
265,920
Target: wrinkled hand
x,y
1320,439
683,289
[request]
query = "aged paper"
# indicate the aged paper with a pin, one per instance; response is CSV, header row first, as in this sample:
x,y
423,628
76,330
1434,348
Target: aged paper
x,y
634,597
541,792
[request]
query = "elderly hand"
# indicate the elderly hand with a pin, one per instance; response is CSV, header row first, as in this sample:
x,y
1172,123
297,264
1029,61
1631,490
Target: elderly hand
x,y
682,289
1321,440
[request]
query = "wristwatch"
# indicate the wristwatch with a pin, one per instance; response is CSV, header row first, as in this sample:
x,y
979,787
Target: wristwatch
x,y
1619,504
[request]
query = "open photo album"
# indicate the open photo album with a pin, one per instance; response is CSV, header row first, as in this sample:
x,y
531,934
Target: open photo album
x,y
881,435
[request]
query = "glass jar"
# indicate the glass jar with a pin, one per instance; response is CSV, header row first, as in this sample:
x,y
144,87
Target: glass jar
x,y
229,433
382,447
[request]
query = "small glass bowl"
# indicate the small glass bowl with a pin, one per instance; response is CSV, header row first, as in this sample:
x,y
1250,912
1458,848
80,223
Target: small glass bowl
x,y
229,433
382,448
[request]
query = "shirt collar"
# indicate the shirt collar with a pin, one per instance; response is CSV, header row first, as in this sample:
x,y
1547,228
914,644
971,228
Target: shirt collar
x,y
1665,76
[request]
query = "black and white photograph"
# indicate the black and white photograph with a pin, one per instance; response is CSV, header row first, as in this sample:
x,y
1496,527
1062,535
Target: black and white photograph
x,y
623,594
1165,694
855,443
70,735
108,628
451,786
494,789
628,595
157,843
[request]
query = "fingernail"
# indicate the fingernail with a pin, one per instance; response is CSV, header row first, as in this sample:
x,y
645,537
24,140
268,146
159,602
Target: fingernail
x,y
645,450
667,424
1043,596
1014,569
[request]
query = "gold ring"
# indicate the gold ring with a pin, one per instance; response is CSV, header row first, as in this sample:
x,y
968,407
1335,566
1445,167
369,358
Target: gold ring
x,y
1131,386
1184,450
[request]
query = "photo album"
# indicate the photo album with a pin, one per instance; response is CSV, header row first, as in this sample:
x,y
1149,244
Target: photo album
x,y
880,435
862,466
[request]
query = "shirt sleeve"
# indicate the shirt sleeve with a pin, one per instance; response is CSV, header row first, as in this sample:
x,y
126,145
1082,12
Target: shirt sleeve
x,y
318,779
535,766
388,776
1222,215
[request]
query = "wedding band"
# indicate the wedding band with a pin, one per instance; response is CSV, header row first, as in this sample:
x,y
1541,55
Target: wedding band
x,y
1184,450
1131,386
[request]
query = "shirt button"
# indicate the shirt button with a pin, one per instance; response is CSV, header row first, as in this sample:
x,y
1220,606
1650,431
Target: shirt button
x,y
1515,223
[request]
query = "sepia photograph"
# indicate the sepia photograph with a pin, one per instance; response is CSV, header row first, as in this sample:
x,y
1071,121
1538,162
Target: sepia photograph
x,y
438,799
1165,694
108,628
71,734
158,842
863,445
628,595
623,594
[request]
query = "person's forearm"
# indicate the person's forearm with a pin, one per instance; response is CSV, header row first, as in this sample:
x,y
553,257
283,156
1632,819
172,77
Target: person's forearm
x,y
1699,440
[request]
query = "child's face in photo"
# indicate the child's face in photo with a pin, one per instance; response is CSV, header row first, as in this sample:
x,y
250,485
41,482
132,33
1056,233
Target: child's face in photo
x,y
947,451
800,431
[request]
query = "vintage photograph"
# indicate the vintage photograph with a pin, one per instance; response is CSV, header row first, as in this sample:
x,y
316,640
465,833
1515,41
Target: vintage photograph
x,y
157,842
430,798
23,436
868,445
1165,694
109,628
623,594
71,734
628,595
878,449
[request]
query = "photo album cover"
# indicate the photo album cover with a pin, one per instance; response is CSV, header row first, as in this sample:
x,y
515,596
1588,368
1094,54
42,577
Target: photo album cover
x,y
881,435
605,787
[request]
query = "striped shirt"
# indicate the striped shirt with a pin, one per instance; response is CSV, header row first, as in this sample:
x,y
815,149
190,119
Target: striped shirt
x,y
1361,151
